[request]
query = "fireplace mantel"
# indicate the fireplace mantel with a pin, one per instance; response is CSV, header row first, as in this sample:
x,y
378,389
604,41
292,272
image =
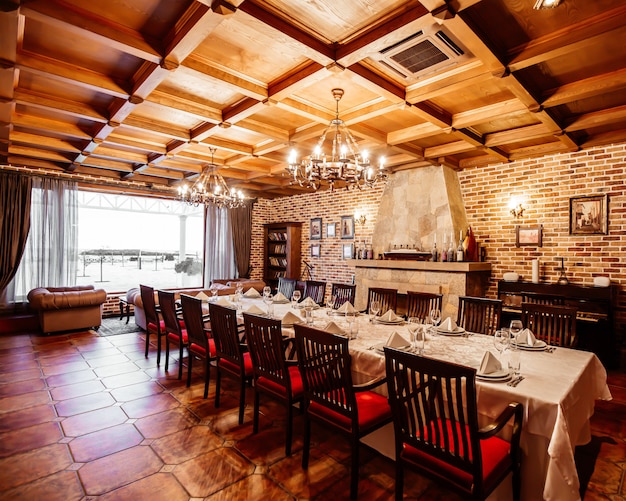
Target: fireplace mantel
x,y
450,279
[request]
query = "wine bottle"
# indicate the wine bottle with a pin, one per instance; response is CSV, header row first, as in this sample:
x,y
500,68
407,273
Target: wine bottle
x,y
459,249
451,252
435,254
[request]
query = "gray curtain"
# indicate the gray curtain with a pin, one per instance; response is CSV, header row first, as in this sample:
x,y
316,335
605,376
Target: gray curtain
x,y
15,193
241,226
219,260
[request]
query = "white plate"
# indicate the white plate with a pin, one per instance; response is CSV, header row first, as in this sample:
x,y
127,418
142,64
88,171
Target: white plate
x,y
457,332
494,379
502,373
389,322
301,307
284,301
291,324
379,347
539,346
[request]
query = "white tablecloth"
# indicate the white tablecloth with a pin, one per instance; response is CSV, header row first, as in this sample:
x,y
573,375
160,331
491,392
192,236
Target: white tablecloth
x,y
558,394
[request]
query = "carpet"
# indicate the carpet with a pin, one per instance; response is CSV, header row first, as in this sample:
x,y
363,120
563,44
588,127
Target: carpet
x,y
113,326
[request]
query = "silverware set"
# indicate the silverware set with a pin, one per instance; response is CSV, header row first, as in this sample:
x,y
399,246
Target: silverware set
x,y
515,381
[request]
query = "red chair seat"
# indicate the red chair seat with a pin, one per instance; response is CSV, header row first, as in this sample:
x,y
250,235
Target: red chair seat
x,y
496,456
153,327
234,368
172,336
373,409
196,348
297,387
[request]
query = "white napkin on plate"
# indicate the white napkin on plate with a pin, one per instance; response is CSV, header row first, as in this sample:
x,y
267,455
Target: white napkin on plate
x,y
251,292
291,318
333,328
308,302
222,301
346,308
489,364
389,316
201,295
448,325
526,338
280,298
255,310
396,341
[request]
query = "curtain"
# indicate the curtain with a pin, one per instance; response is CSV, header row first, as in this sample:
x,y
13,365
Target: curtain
x,y
51,254
219,256
241,226
15,193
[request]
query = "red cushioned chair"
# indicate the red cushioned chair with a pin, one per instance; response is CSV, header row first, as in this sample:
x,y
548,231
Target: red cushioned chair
x,y
233,358
436,427
273,374
330,397
154,324
200,341
175,331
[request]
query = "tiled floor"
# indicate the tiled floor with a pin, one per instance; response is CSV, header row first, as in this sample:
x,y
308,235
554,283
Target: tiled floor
x,y
88,417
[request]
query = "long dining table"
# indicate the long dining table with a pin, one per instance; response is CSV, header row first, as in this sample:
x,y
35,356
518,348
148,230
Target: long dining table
x,y
558,392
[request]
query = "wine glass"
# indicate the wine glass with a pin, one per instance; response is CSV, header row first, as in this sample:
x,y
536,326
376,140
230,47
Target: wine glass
x,y
414,326
268,299
267,290
435,316
213,291
331,304
515,328
374,309
295,298
501,340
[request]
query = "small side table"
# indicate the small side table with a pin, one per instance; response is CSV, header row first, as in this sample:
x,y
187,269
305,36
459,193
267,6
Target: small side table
x,y
124,308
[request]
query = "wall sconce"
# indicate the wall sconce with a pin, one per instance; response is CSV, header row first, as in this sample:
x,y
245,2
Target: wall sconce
x,y
360,218
516,208
546,4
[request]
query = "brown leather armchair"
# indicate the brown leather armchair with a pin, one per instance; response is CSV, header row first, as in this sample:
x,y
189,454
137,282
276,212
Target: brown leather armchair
x,y
67,308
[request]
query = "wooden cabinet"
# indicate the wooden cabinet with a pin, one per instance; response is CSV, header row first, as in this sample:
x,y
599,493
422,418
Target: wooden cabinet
x,y
282,252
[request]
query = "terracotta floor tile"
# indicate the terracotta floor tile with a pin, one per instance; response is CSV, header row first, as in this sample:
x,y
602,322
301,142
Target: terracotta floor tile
x,y
22,365
16,341
119,469
211,472
70,378
21,387
76,390
153,404
125,379
29,466
61,486
27,417
104,442
252,488
23,401
109,360
25,439
82,404
100,352
13,377
134,391
89,422
186,444
92,344
66,358
165,423
65,368
116,369
268,446
157,487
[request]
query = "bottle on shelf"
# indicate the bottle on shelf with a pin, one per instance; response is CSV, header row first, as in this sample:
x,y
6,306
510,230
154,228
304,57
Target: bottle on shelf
x,y
451,251
435,253
459,249
444,251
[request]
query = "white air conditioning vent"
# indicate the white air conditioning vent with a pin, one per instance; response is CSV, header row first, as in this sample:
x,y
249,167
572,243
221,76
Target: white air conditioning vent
x,y
426,51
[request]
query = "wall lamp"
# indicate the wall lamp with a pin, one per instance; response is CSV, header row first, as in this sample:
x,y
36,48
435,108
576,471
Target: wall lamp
x,y
360,218
546,4
516,208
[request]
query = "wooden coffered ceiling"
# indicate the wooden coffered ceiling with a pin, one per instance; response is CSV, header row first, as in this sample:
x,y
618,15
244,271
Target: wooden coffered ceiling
x,y
137,92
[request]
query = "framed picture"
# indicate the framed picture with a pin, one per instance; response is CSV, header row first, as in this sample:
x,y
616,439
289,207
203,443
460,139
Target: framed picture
x,y
347,227
315,250
316,228
330,230
528,235
589,215
347,251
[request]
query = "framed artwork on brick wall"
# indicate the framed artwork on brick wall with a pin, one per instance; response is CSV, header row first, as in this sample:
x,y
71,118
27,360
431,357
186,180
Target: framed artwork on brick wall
x,y
347,251
347,227
330,230
316,228
589,215
316,250
528,235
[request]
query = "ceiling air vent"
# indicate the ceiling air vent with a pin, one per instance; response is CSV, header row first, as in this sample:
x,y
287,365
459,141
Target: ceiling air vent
x,y
424,52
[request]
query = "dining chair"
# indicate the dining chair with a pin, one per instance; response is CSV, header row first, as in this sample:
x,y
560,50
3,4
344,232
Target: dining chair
x,y
419,304
479,315
274,375
543,299
174,327
436,429
343,293
388,298
286,286
200,341
315,290
331,398
233,359
154,323
556,325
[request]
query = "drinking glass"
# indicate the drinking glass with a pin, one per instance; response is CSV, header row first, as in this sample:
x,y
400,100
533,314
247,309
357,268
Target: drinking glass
x,y
353,325
515,328
269,302
295,298
374,309
501,340
213,291
417,338
308,315
515,360
331,304
267,290
435,316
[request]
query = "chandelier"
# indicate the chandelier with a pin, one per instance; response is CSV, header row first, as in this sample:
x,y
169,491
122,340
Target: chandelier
x,y
210,189
346,163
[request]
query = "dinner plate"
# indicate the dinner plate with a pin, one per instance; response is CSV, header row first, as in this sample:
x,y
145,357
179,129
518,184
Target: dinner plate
x,y
494,379
539,346
380,347
291,324
390,322
502,373
456,332
284,301
316,307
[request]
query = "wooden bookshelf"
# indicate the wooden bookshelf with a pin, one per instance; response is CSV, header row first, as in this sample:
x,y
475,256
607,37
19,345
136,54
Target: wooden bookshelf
x,y
282,252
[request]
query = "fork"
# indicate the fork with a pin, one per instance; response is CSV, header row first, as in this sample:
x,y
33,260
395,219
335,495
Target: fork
x,y
514,382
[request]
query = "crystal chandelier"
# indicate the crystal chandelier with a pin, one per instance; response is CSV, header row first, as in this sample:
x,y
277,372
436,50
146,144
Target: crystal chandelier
x,y
346,163
211,189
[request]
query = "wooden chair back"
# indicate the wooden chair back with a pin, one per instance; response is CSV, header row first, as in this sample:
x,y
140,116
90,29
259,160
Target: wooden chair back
x,y
286,286
194,321
315,290
228,344
149,306
343,293
479,315
388,298
167,304
419,304
556,325
267,350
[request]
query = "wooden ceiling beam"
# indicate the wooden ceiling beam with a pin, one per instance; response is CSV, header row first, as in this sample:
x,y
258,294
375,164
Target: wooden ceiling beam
x,y
501,109
177,101
517,135
37,140
60,106
463,77
164,130
413,133
598,118
49,126
597,85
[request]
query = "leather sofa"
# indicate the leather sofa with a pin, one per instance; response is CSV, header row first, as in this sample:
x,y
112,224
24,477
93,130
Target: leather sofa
x,y
225,287
67,308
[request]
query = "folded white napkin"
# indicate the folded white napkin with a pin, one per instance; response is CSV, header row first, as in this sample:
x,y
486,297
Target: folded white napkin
x,y
389,316
222,301
308,302
280,298
201,295
396,341
489,364
255,310
252,292
526,338
333,328
448,325
290,319
346,308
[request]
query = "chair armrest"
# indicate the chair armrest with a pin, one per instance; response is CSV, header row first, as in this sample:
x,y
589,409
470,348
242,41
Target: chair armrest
x,y
513,409
370,385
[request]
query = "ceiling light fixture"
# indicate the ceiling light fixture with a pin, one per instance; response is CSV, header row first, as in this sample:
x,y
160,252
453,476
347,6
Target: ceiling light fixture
x,y
345,164
546,4
211,189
